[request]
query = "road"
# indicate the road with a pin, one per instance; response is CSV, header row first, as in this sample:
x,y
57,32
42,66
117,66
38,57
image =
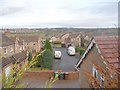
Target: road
x,y
66,63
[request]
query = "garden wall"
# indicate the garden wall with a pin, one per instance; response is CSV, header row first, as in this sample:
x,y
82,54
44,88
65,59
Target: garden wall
x,y
47,74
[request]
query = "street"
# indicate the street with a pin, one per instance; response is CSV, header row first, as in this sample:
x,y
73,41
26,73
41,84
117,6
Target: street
x,y
66,63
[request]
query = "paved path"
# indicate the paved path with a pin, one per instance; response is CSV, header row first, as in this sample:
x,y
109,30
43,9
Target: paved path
x,y
66,63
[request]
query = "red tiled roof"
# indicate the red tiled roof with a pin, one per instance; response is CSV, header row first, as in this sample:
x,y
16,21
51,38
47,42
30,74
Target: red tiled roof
x,y
109,49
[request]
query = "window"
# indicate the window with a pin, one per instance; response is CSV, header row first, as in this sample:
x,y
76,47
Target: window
x,y
95,72
34,44
5,50
101,81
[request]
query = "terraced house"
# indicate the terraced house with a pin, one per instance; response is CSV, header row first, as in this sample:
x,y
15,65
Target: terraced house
x,y
73,39
15,49
101,51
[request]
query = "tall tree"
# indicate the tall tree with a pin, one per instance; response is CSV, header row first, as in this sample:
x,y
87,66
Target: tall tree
x,y
47,58
47,45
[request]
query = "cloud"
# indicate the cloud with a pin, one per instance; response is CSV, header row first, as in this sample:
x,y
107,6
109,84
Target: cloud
x,y
10,10
69,13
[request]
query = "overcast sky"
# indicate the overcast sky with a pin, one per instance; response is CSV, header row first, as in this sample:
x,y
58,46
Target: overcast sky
x,y
58,13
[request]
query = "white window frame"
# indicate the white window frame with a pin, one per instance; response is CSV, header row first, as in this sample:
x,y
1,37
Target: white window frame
x,y
5,51
95,72
101,80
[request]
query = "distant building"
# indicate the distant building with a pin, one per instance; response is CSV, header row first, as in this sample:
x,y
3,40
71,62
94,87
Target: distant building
x,y
73,39
99,50
27,43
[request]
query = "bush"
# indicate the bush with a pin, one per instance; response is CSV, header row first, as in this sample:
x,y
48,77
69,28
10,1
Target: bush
x,y
57,42
79,50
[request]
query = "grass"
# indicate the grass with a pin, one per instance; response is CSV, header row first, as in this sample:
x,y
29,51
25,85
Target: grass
x,y
39,69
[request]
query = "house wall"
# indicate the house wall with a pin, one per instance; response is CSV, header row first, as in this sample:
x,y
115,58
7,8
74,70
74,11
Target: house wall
x,y
22,63
4,68
32,46
87,65
64,37
9,51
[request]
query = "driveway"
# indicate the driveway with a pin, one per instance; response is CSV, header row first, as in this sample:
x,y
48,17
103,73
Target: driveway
x,y
66,63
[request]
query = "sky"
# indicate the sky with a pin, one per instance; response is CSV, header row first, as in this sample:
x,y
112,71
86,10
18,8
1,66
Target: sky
x,y
58,13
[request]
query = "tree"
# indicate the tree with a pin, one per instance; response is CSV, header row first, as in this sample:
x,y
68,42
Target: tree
x,y
47,58
47,45
29,56
39,60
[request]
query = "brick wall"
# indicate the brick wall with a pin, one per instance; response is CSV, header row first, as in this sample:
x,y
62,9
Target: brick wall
x,y
47,74
72,75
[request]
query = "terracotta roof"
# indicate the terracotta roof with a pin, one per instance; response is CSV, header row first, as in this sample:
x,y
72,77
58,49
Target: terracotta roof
x,y
14,58
6,41
109,49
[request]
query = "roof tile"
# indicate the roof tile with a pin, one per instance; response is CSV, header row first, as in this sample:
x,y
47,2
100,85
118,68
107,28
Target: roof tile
x,y
109,48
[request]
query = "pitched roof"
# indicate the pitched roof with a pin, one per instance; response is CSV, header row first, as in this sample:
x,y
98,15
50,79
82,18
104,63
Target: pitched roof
x,y
14,58
109,49
73,35
29,38
6,61
20,56
6,41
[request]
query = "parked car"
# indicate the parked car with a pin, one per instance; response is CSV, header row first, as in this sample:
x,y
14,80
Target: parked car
x,y
71,51
57,54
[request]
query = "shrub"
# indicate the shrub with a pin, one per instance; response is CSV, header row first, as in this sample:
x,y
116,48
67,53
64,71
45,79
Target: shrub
x,y
80,50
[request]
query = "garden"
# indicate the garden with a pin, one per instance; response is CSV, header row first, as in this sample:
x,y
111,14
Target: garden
x,y
45,58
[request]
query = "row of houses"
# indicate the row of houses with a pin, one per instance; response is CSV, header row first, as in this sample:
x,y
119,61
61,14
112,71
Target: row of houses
x,y
15,49
76,39
101,51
